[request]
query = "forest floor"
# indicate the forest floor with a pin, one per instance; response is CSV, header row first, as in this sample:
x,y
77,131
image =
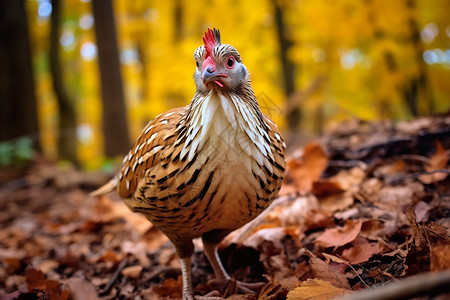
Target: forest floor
x,y
365,206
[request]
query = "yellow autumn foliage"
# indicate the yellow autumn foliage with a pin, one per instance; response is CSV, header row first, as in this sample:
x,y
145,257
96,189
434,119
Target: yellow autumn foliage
x,y
364,56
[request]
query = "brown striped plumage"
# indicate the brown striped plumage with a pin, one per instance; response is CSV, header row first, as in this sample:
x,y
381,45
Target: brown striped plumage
x,y
206,169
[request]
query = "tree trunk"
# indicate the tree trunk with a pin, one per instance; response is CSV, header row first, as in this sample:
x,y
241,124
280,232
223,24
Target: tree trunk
x,y
67,142
293,117
18,109
178,21
115,129
418,94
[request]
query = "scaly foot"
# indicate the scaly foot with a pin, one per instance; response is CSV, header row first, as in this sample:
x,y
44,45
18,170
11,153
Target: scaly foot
x,y
231,286
214,295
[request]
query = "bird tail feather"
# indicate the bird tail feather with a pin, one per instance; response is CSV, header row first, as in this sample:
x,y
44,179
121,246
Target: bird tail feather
x,y
106,188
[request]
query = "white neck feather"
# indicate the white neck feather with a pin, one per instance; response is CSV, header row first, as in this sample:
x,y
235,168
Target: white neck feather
x,y
225,123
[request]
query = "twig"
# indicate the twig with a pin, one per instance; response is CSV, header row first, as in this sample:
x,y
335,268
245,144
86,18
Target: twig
x,y
397,178
347,163
299,96
415,157
249,227
349,265
388,146
114,278
424,284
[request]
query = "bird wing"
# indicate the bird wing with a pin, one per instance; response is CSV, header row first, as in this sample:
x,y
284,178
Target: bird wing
x,y
159,134
278,145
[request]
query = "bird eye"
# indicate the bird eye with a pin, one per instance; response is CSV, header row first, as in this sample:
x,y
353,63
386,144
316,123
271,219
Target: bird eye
x,y
230,62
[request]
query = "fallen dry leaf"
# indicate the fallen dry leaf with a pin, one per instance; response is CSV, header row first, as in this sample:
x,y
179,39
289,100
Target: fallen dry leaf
x,y
111,257
346,181
274,235
321,270
372,229
276,289
420,239
35,279
12,253
417,260
371,188
437,162
318,219
47,265
383,225
49,224
37,282
396,167
422,211
360,250
333,258
315,289
16,282
439,246
82,289
284,212
326,187
440,257
398,197
132,271
303,171
138,249
276,263
337,202
335,237
418,257
241,297
169,287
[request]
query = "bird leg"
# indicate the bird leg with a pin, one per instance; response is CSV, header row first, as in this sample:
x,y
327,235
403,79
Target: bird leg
x,y
184,251
213,257
186,273
222,277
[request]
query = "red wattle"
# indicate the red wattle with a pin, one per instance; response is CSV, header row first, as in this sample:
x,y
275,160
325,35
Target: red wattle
x,y
218,83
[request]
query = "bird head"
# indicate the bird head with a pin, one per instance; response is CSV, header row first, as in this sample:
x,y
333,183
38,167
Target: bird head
x,y
218,66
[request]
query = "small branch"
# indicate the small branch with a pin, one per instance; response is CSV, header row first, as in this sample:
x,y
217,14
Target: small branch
x,y
398,178
388,147
114,278
346,164
298,97
414,157
248,228
427,284
354,271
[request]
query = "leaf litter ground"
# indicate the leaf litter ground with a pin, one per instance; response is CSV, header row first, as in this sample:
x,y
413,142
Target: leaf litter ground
x,y
367,205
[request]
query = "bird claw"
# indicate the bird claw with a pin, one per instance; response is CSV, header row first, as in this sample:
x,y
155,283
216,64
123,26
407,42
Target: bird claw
x,y
214,295
232,286
227,287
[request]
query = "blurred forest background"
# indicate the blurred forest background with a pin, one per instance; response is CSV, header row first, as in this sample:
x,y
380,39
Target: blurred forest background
x,y
79,78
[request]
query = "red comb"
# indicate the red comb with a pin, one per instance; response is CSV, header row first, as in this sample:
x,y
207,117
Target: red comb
x,y
211,39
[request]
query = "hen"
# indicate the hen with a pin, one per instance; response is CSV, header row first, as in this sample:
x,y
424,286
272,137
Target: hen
x,y
206,169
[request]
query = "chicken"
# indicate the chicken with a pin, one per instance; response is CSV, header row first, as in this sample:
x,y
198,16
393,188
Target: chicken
x,y
206,169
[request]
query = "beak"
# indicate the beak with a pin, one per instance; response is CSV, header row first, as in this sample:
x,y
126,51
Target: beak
x,y
210,75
